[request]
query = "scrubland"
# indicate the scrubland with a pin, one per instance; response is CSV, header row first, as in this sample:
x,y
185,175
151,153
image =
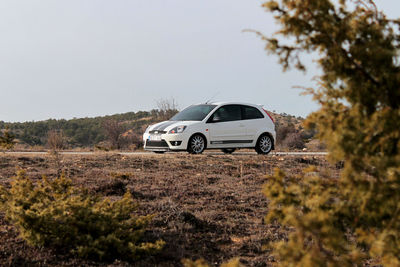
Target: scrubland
x,y
204,206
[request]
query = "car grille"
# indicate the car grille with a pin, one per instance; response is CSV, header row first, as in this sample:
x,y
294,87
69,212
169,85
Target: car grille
x,y
161,143
157,132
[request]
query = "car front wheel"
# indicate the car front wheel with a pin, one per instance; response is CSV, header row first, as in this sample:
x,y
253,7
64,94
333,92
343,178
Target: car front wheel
x,y
264,144
197,144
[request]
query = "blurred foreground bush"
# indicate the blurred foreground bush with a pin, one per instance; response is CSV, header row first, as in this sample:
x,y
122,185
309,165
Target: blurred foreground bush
x,y
54,213
353,220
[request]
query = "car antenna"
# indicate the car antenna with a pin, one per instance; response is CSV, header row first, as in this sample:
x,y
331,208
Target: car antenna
x,y
211,98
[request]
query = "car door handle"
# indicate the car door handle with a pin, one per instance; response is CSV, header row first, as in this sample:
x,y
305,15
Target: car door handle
x,y
241,125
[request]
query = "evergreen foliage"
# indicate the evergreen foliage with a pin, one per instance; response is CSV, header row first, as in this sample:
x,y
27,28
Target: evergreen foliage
x,y
343,222
54,213
7,140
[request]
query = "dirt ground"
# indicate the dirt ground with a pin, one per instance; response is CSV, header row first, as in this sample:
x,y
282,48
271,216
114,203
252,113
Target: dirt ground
x,y
205,206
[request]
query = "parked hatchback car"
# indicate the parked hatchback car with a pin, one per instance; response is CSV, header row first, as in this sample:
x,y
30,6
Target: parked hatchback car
x,y
226,126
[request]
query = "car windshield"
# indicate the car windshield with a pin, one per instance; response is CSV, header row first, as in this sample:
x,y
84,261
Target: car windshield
x,y
193,113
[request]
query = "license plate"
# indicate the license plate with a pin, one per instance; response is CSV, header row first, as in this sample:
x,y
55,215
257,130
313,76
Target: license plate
x,y
154,137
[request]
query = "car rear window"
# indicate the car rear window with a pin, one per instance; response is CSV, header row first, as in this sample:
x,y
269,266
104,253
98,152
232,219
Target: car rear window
x,y
250,113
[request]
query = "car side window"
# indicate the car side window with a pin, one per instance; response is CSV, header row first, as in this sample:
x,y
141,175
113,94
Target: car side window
x,y
227,113
251,113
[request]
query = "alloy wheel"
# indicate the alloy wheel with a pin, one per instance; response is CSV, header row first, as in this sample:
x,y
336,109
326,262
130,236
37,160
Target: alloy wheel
x,y
197,144
264,145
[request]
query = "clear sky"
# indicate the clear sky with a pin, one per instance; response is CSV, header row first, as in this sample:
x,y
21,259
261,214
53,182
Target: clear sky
x,y
85,58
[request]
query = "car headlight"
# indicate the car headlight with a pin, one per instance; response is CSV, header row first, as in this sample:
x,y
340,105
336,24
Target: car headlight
x,y
177,129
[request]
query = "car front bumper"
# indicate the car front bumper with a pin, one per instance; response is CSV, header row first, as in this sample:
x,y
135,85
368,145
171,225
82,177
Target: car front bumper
x,y
166,142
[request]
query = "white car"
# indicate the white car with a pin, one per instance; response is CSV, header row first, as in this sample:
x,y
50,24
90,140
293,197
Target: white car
x,y
225,126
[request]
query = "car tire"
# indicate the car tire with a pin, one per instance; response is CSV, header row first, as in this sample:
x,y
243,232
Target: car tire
x,y
197,144
264,144
228,150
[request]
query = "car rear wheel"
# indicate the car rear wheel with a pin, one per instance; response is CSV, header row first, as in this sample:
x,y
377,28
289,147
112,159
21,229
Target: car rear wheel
x,y
264,144
197,144
228,150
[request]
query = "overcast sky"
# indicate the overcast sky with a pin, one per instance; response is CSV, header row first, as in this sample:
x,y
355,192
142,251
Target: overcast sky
x,y
85,58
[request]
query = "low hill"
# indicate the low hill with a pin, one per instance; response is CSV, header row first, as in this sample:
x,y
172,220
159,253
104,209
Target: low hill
x,y
89,132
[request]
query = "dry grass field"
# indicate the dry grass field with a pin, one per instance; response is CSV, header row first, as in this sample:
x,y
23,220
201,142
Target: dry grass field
x,y
208,206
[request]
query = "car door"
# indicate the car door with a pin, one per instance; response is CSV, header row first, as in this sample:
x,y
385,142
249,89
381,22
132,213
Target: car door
x,y
226,128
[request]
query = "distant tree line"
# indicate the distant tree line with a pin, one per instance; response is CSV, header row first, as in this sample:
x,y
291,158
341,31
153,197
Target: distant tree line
x,y
82,132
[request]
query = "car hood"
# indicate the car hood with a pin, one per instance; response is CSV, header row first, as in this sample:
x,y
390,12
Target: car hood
x,y
168,125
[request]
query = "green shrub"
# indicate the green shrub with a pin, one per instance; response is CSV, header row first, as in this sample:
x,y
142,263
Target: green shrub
x,y
342,222
312,205
54,213
7,140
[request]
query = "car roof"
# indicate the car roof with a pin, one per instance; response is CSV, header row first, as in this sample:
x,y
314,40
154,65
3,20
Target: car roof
x,y
235,103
